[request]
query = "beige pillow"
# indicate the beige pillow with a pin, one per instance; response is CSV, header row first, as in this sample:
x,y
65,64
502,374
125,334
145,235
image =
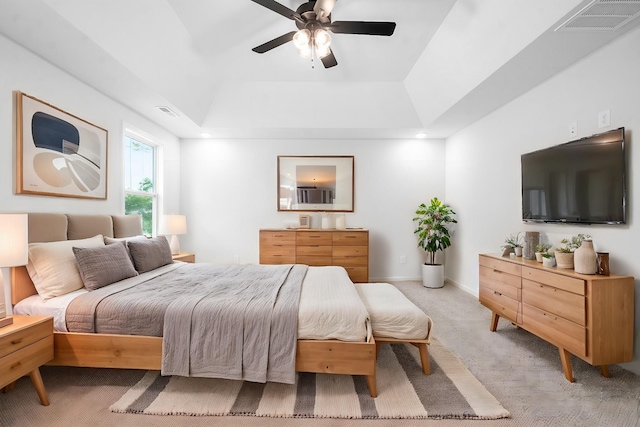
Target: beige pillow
x,y
52,266
104,265
150,254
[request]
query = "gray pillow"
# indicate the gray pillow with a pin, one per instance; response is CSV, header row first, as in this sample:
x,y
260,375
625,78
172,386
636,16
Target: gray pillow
x,y
150,254
103,266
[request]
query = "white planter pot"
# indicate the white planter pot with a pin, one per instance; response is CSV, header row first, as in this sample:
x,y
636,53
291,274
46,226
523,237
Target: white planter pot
x,y
548,262
432,275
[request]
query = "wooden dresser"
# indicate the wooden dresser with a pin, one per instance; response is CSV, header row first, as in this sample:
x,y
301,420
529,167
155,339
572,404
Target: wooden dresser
x,y
589,316
346,248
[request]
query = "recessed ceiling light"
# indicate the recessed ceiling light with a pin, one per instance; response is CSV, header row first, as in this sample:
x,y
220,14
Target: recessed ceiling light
x,y
205,135
421,135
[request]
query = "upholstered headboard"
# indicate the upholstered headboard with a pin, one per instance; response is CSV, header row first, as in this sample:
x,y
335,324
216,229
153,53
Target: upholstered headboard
x,y
50,227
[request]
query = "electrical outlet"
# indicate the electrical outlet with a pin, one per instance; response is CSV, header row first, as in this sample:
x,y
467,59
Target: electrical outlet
x,y
604,118
573,129
403,259
236,259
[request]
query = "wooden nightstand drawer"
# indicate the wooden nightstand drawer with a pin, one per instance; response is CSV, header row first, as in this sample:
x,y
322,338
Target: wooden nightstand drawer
x,y
26,359
23,336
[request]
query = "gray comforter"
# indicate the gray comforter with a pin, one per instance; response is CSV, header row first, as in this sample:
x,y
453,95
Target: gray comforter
x,y
234,322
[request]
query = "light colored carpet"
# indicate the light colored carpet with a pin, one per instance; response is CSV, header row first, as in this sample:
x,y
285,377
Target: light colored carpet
x,y
522,371
404,392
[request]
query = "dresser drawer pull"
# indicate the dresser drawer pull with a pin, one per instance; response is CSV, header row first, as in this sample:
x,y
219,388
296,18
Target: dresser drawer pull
x,y
15,365
497,271
552,317
277,235
314,237
497,293
18,341
350,237
277,255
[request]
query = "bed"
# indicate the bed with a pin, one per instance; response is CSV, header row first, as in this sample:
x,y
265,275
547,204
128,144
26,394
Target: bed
x,y
110,350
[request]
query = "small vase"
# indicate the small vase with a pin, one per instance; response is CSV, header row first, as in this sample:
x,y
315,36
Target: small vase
x,y
531,240
518,250
585,259
539,256
564,260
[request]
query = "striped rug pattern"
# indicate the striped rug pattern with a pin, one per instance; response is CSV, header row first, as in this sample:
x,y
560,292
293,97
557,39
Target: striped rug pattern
x,y
451,391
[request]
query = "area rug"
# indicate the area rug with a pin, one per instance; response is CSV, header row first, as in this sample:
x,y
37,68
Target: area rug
x,y
404,392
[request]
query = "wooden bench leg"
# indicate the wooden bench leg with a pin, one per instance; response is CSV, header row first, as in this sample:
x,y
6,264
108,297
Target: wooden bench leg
x,y
371,382
565,357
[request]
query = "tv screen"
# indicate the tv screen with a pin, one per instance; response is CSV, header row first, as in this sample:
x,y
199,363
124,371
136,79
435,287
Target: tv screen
x,y
582,181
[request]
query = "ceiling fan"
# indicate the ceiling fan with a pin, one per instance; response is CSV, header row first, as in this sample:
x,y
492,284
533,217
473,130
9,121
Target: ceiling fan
x,y
313,19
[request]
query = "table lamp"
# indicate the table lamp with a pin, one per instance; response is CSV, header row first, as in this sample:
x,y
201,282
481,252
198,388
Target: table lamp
x,y
173,225
14,252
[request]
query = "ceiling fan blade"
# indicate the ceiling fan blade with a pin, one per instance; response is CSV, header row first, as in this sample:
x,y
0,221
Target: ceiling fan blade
x,y
360,27
278,8
278,41
323,9
329,60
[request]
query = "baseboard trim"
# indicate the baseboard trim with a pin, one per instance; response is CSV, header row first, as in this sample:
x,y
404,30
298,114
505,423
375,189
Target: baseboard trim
x,y
468,290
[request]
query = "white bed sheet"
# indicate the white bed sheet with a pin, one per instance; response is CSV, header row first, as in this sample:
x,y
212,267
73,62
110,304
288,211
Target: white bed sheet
x,y
330,307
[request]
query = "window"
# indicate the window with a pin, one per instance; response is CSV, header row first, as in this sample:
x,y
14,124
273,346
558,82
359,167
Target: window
x,y
140,181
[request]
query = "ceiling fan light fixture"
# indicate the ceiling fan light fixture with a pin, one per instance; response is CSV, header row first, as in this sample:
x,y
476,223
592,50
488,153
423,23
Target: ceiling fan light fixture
x,y
321,52
302,39
305,52
322,39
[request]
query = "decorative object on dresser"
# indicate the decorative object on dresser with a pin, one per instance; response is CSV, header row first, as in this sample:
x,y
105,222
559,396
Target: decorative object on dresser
x,y
531,240
585,259
315,183
564,255
541,249
305,221
348,249
603,263
548,259
25,346
13,252
512,245
432,228
173,225
184,257
590,317
58,154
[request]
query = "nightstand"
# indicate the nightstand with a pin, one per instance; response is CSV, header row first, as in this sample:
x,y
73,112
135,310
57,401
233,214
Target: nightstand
x,y
184,257
26,345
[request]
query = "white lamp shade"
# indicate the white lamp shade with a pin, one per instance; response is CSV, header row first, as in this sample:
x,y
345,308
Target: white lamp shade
x,y
14,246
173,224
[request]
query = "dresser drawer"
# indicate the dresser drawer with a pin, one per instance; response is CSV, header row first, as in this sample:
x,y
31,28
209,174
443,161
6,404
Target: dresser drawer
x,y
500,304
22,338
275,257
350,261
350,251
512,292
490,275
350,238
26,359
314,238
358,274
570,284
277,238
313,250
500,265
555,329
314,260
553,300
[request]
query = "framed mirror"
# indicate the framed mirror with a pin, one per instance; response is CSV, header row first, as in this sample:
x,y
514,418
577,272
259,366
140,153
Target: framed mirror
x,y
315,183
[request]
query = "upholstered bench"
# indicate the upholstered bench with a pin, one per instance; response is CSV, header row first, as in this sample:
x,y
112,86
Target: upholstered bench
x,y
396,319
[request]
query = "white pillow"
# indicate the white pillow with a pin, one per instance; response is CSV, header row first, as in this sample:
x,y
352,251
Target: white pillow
x,y
52,266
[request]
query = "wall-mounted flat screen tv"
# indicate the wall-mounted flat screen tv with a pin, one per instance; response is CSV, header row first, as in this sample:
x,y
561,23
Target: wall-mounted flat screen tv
x,y
582,181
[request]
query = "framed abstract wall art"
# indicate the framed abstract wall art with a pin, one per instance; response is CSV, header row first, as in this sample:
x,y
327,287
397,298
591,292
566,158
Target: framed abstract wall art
x,y
58,154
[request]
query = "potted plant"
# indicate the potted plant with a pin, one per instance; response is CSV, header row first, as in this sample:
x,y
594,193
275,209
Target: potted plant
x,y
564,255
432,228
512,244
548,259
541,248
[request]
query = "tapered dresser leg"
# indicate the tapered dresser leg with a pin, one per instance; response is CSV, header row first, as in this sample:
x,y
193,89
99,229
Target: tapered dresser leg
x,y
565,357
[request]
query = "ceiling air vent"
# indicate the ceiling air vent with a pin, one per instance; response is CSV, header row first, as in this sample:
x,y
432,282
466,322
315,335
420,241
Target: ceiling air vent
x,y
167,111
602,15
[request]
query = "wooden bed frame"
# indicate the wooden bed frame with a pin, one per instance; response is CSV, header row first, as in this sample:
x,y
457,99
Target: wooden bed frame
x,y
143,352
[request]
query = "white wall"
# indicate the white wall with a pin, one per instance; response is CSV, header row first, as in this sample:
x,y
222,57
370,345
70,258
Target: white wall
x,y
229,193
25,72
483,162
